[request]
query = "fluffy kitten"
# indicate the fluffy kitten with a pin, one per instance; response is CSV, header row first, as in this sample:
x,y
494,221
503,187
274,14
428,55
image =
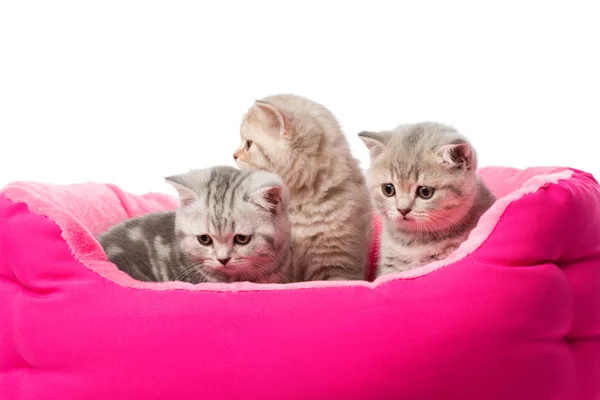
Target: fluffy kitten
x,y
231,225
329,207
423,181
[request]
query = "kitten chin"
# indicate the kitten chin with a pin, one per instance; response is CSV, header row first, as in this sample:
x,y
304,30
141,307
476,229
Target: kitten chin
x,y
302,141
423,181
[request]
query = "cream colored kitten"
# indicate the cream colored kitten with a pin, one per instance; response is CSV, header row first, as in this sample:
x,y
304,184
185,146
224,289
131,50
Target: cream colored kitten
x,y
330,209
423,181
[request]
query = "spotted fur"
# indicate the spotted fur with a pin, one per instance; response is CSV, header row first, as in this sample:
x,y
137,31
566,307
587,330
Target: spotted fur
x,y
220,203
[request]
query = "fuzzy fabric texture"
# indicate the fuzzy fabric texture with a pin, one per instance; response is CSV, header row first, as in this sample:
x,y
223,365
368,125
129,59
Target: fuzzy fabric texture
x,y
513,313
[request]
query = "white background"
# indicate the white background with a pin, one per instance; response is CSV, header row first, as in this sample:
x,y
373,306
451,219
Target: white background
x,y
130,91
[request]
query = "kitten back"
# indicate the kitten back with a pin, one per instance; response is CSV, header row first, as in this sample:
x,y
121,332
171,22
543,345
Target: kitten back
x,y
303,142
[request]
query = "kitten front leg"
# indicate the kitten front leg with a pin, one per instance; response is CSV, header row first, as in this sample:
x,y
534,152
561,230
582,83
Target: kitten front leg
x,y
443,251
391,265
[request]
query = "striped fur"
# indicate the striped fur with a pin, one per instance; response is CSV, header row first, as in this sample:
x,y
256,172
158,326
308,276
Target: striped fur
x,y
329,207
427,155
220,202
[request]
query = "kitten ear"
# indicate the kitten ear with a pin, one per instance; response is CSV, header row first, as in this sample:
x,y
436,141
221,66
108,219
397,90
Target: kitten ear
x,y
186,195
268,197
459,155
273,117
374,141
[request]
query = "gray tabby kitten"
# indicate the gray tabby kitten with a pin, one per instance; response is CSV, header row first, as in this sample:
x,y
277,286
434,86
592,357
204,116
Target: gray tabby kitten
x,y
330,209
424,183
231,225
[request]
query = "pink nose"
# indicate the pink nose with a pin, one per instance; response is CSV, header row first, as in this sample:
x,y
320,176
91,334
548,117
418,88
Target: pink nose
x,y
234,157
224,260
404,211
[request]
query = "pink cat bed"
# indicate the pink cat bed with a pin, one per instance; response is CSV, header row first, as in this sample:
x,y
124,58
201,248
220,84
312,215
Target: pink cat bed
x,y
514,313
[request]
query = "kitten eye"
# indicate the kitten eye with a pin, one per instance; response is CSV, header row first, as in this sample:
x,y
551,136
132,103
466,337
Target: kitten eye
x,y
388,189
242,239
204,240
425,192
248,144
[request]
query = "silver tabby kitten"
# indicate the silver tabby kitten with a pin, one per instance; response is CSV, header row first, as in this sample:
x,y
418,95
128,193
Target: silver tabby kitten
x,y
424,183
230,226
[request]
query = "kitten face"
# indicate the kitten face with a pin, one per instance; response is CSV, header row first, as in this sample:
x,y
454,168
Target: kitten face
x,y
261,147
239,245
422,177
279,132
232,223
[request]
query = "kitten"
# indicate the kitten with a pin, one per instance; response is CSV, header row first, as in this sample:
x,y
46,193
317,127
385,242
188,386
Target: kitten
x,y
231,225
330,209
424,183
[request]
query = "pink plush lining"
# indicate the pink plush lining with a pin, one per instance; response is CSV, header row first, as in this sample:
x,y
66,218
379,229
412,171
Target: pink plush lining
x,y
81,219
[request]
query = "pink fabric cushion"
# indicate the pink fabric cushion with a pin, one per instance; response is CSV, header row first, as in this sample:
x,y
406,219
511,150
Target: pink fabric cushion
x,y
514,313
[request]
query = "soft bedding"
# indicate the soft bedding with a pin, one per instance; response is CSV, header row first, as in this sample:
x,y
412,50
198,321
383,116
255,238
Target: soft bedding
x,y
514,313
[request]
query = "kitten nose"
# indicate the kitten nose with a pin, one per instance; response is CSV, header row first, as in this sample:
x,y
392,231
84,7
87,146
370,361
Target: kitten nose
x,y
235,157
224,260
404,211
